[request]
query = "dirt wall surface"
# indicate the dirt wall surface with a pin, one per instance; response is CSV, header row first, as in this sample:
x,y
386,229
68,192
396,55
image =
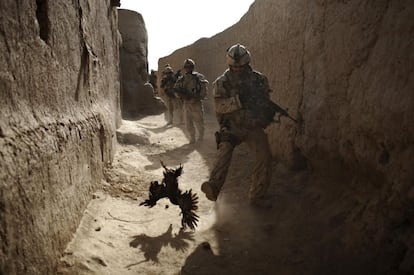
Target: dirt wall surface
x,y
137,96
59,107
345,70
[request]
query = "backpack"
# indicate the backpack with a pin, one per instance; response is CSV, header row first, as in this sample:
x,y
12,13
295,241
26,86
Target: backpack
x,y
201,86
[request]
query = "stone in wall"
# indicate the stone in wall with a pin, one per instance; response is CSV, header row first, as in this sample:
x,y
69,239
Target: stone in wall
x,y
59,108
137,97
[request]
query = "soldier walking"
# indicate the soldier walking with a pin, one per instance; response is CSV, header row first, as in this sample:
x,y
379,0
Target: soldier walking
x,y
239,122
191,87
174,104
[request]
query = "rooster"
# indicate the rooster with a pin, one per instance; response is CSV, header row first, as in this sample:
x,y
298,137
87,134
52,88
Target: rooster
x,y
168,188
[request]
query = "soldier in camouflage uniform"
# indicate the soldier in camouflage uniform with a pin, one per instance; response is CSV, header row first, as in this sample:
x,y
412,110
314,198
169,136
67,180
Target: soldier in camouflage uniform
x,y
239,122
191,87
152,79
174,104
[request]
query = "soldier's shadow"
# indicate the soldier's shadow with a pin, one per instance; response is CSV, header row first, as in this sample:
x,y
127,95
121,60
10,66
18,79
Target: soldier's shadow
x,y
203,262
151,246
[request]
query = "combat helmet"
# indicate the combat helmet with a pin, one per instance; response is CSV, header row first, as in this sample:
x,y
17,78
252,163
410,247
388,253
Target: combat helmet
x,y
168,69
189,62
238,55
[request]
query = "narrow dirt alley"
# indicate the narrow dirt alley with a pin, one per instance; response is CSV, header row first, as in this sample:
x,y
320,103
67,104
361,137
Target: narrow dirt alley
x,y
117,236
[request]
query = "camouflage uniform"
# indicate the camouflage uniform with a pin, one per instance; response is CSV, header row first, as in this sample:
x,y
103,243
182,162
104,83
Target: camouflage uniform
x,y
173,103
192,89
239,124
152,79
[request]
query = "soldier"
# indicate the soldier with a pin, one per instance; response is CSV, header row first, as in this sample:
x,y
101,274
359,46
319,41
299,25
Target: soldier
x,y
152,79
174,104
191,87
233,92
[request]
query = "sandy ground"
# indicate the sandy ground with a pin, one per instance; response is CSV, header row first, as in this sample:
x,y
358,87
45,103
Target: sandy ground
x,y
298,235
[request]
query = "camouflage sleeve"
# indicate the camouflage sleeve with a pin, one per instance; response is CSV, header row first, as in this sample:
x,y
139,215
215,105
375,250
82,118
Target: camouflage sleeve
x,y
203,86
224,101
218,88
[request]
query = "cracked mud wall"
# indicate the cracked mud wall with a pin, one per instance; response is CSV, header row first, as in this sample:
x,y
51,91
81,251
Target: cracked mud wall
x,y
59,108
345,69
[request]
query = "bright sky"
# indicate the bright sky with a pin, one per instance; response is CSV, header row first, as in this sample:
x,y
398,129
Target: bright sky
x,y
173,24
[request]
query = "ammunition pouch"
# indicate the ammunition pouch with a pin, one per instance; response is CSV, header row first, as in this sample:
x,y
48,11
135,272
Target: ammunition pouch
x,y
184,94
265,113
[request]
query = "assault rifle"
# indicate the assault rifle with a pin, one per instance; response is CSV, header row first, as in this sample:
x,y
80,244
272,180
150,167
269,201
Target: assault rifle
x,y
262,107
277,109
183,93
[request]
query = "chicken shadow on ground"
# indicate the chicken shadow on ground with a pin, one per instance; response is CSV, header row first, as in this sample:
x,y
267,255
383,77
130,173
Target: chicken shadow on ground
x,y
151,246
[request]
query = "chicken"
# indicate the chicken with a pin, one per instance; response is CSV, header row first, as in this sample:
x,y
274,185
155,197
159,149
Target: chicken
x,y
168,188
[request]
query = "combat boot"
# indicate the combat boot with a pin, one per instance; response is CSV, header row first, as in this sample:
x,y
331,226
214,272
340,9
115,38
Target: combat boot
x,y
209,191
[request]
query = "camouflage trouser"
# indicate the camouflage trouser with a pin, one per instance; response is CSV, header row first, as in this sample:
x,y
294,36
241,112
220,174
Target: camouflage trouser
x,y
194,118
258,144
174,105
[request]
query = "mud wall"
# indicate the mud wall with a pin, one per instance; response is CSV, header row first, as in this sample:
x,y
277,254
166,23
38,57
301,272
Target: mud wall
x,y
345,70
59,107
137,95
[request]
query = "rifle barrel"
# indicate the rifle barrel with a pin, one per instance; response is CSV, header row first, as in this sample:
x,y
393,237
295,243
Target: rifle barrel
x,y
289,116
